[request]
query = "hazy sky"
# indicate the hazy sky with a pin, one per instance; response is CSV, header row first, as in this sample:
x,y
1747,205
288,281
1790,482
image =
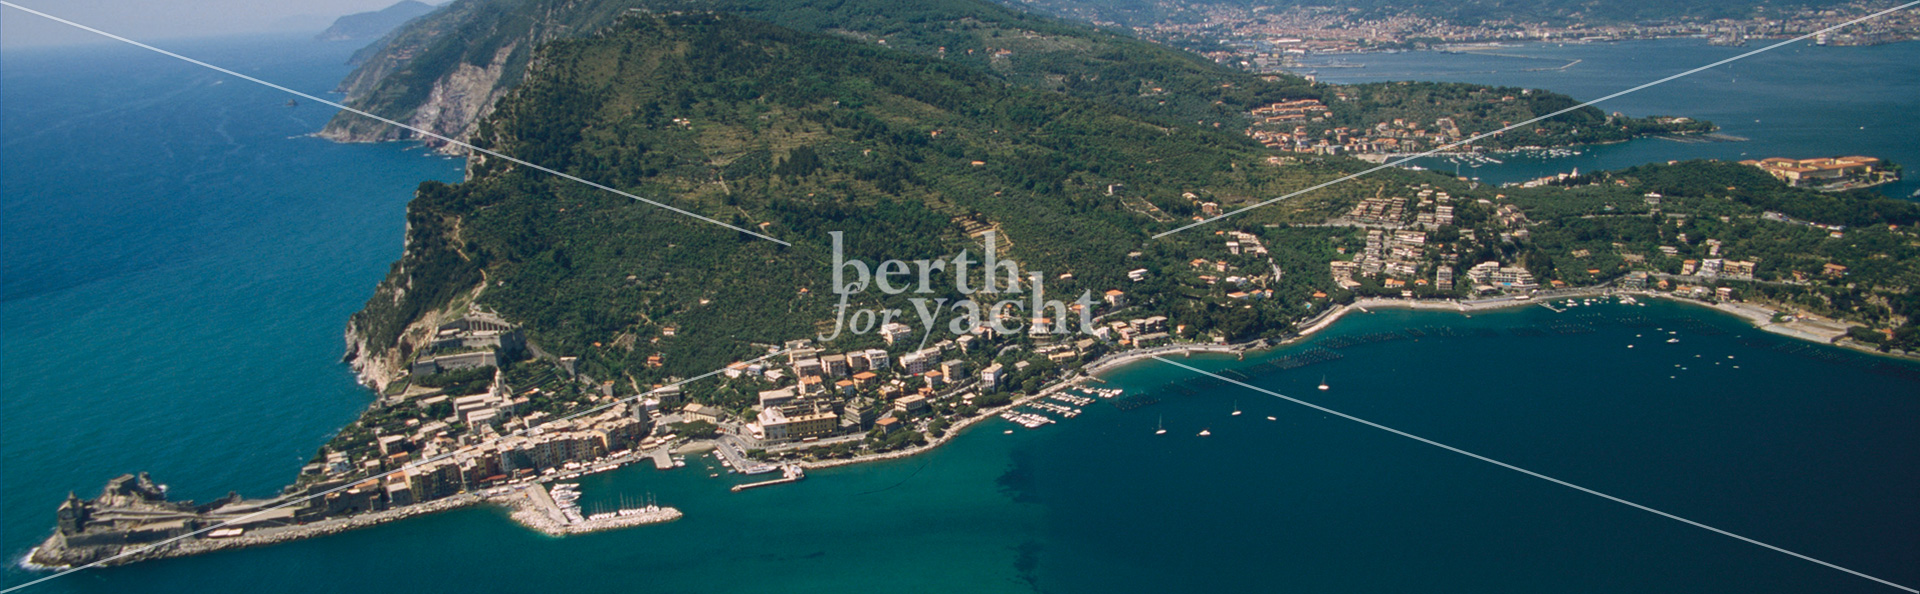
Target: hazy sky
x,y
170,19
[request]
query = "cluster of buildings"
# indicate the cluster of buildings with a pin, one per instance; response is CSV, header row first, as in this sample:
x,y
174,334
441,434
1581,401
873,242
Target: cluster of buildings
x,y
1396,254
1713,268
430,461
1491,277
1397,136
1826,172
1298,110
438,459
851,391
1211,273
478,339
818,394
1400,250
451,443
1430,209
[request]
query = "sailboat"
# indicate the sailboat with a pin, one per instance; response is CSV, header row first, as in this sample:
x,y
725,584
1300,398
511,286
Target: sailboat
x,y
1323,382
1236,408
1161,429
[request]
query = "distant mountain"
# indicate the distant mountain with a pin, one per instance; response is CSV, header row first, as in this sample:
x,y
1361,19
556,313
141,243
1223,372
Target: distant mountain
x,y
364,26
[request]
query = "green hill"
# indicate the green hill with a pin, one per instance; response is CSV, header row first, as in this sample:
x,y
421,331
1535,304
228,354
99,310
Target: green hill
x,y
441,71
798,134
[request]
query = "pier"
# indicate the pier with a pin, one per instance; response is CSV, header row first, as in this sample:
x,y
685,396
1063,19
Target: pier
x,y
536,508
789,474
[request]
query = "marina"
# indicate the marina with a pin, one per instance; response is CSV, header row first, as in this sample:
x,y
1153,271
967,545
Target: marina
x,y
556,511
788,474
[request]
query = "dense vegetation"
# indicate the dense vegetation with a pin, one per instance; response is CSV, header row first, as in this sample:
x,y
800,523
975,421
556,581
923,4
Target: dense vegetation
x,y
796,134
1013,46
1478,109
909,154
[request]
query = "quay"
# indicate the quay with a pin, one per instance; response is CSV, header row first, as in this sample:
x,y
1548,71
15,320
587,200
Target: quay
x,y
534,507
789,474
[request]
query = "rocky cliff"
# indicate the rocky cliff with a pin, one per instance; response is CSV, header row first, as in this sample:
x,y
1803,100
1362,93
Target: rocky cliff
x,y
442,72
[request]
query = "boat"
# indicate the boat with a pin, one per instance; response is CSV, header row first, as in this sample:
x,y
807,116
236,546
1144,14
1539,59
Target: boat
x,y
1236,408
1272,419
1161,429
1673,340
1204,433
1323,382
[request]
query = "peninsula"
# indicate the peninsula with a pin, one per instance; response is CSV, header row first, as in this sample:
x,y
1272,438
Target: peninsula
x,y
535,330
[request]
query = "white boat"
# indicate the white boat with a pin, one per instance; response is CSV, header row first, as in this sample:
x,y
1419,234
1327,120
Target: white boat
x,y
1323,382
1204,433
1236,408
1272,419
1161,429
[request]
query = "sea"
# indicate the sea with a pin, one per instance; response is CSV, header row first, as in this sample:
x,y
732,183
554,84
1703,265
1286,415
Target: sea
x,y
180,259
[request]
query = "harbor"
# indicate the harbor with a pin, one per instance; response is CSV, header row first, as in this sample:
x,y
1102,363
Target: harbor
x,y
555,511
788,474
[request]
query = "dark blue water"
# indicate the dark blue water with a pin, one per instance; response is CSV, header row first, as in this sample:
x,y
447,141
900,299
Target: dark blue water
x,y
1798,101
187,263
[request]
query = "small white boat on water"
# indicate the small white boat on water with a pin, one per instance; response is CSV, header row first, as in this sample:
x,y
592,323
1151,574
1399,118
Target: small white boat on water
x,y
1161,429
1236,408
1323,382
1204,433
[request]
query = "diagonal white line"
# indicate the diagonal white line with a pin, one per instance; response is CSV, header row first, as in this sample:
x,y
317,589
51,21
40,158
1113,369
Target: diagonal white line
x,y
385,120
1524,471
1478,137
438,458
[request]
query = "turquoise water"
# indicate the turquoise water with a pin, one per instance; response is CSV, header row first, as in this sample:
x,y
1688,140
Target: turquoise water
x,y
179,264
1797,101
178,268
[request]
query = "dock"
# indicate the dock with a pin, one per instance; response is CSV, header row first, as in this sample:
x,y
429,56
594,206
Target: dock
x,y
536,508
663,459
789,474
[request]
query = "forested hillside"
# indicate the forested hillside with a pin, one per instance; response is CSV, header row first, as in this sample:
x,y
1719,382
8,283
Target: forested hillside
x,y
477,48
796,134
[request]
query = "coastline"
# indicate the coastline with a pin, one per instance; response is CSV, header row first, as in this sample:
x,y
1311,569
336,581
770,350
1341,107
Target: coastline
x,y
269,536
520,503
524,510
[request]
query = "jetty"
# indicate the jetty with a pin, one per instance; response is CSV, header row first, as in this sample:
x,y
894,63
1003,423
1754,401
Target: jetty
x,y
557,512
788,474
